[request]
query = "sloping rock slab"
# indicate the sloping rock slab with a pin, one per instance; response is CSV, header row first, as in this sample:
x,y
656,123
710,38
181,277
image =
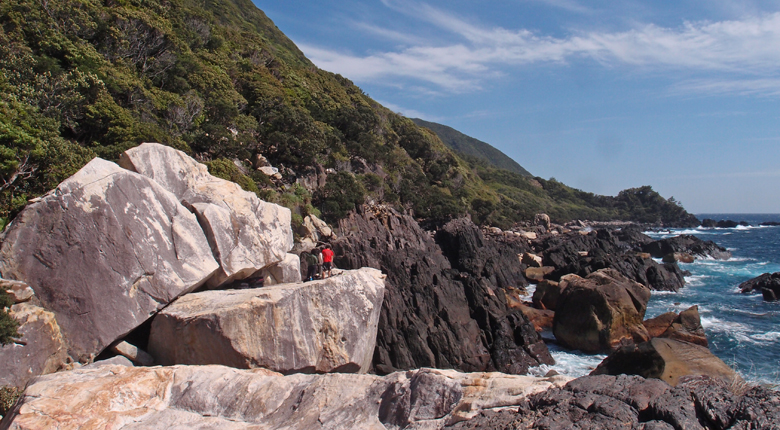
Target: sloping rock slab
x,y
600,312
320,326
246,233
104,251
217,397
41,352
667,360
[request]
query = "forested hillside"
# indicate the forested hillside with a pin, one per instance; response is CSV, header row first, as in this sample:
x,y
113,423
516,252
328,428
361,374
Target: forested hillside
x,y
217,79
467,146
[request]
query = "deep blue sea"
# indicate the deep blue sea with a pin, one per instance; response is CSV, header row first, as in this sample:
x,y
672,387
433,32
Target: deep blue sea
x,y
743,330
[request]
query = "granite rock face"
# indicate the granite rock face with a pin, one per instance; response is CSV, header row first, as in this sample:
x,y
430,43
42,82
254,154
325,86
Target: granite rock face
x,y
444,301
216,397
320,326
41,350
245,233
600,312
667,360
19,291
287,271
104,251
632,402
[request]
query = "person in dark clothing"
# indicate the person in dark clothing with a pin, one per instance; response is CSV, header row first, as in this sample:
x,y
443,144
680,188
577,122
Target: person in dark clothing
x,y
311,261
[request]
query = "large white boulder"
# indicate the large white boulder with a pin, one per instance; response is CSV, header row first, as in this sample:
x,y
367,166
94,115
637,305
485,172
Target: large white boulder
x,y
321,326
284,272
112,397
246,233
104,251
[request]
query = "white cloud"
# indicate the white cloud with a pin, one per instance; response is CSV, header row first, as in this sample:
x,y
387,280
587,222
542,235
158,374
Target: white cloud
x,y
568,5
749,87
742,55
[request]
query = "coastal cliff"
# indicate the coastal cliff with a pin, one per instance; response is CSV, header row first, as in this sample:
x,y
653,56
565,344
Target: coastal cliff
x,y
141,338
133,270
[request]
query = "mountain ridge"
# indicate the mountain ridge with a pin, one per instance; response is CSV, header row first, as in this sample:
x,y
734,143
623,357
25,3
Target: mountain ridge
x,y
472,147
218,80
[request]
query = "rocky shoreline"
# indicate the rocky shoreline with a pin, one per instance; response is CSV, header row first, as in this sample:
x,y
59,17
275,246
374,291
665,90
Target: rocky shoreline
x,y
135,313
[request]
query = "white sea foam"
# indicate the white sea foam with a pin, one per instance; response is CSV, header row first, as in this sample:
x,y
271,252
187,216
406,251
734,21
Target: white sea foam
x,y
718,325
529,292
738,259
771,336
696,280
569,363
665,293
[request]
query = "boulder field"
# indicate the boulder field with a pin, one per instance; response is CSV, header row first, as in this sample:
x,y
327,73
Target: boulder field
x,y
104,251
110,247
151,250
583,253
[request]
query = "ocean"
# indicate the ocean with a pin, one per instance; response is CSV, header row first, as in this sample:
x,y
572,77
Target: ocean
x,y
742,329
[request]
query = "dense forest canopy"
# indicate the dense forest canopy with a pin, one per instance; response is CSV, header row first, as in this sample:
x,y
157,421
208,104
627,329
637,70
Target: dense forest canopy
x,y
217,79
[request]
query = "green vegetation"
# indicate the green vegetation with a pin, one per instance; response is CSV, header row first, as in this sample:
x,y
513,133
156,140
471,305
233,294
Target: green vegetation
x,y
217,79
8,325
473,147
8,397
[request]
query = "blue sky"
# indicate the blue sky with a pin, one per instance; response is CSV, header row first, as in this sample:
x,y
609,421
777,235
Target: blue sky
x,y
602,95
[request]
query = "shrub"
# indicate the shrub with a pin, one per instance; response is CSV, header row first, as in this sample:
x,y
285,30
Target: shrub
x,y
340,195
8,396
226,169
8,325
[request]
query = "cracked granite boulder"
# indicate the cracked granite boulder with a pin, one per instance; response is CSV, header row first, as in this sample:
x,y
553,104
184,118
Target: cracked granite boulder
x,y
321,326
104,251
245,233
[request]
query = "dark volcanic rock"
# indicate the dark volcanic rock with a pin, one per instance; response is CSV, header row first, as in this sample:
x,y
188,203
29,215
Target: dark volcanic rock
x,y
600,312
547,294
730,224
709,223
768,284
444,309
632,402
604,249
686,244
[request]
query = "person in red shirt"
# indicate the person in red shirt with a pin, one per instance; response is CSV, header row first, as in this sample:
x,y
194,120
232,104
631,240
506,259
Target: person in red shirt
x,y
327,259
